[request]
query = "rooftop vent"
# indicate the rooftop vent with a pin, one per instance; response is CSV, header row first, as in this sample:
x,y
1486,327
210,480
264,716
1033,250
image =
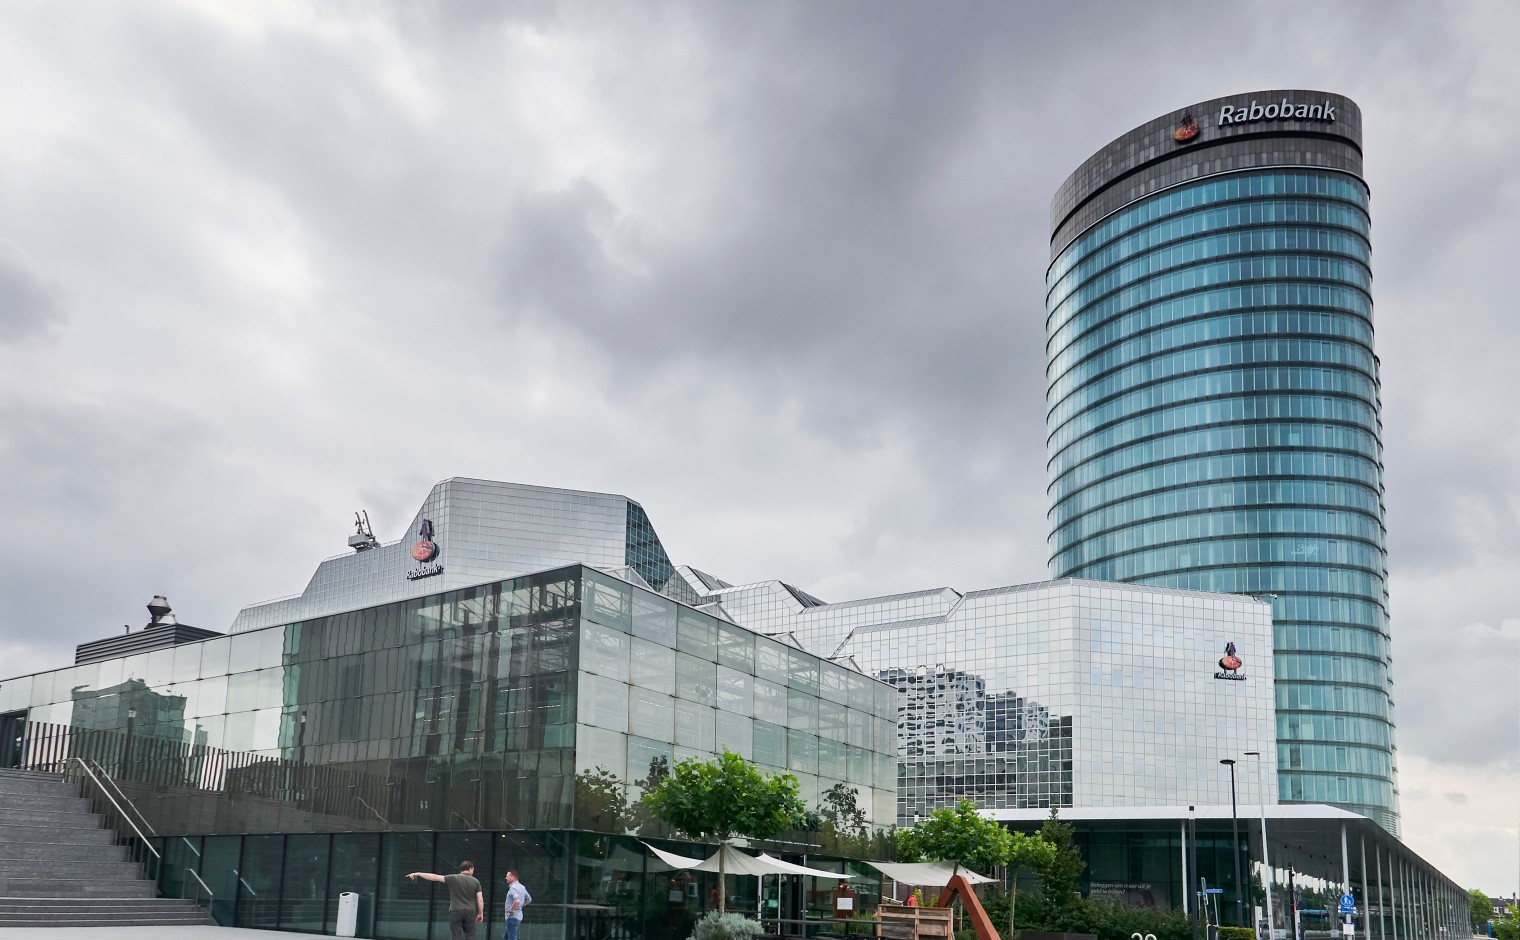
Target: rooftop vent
x,y
164,630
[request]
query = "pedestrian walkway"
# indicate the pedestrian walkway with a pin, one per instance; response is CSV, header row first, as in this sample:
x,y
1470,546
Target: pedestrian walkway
x,y
148,933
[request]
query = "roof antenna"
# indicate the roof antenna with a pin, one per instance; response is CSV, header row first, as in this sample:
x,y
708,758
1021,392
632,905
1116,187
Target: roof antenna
x,y
363,538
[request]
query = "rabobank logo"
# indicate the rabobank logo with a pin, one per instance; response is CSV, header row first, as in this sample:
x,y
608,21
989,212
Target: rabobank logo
x,y
1283,110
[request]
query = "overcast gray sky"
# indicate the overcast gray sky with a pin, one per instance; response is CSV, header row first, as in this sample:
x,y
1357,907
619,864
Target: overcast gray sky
x,y
774,270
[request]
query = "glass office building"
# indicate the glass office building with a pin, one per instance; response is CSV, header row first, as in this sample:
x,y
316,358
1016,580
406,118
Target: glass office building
x,y
1213,404
1058,694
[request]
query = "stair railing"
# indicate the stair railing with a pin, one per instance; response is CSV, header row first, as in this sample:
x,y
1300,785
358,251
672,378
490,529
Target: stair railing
x,y
121,797
202,888
117,818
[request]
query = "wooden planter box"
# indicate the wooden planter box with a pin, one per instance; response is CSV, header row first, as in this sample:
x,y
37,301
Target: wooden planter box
x,y
911,923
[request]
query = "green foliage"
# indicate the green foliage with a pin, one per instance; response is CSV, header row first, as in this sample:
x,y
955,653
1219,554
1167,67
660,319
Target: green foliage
x,y
1107,921
956,835
715,926
1030,853
1237,933
841,810
600,803
1507,927
716,800
1058,881
1480,909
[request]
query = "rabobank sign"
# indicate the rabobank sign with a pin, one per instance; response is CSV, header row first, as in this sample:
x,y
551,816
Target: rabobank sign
x,y
1276,111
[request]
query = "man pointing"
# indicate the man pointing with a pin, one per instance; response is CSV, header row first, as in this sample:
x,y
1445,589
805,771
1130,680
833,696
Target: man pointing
x,y
467,905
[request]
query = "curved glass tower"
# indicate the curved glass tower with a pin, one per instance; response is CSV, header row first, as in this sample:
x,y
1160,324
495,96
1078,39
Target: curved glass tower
x,y
1213,403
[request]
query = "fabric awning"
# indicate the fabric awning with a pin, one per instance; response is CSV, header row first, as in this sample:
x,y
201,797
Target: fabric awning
x,y
736,862
927,874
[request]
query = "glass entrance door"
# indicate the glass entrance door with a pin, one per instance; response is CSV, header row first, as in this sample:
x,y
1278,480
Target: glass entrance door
x,y
12,739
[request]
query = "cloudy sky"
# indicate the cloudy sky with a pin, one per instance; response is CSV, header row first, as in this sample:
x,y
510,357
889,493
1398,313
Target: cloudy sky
x,y
775,270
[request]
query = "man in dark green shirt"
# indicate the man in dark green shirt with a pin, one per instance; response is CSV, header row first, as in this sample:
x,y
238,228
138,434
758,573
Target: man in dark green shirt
x,y
467,905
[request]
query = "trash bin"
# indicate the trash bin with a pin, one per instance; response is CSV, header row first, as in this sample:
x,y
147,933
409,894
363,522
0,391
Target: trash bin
x,y
348,914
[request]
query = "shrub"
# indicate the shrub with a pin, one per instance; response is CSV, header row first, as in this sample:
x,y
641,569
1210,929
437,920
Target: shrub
x,y
1236,933
715,926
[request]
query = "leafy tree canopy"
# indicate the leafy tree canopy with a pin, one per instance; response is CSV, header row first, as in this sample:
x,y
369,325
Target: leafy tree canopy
x,y
1480,909
1058,880
956,835
725,797
841,810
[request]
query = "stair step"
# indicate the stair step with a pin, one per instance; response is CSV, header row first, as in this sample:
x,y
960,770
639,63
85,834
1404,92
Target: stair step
x,y
81,836
67,802
129,906
66,920
29,887
35,787
52,818
63,851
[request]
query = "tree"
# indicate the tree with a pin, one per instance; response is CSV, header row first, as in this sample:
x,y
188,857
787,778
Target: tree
x,y
956,835
1030,853
1058,882
600,803
723,798
841,809
1480,909
1508,926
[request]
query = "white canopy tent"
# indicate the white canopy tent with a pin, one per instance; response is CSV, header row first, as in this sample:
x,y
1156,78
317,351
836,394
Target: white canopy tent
x,y
734,862
935,874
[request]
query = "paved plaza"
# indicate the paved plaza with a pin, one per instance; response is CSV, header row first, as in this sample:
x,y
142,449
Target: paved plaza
x,y
147,933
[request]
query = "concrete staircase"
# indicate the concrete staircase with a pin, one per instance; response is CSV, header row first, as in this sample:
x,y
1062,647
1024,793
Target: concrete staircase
x,y
60,866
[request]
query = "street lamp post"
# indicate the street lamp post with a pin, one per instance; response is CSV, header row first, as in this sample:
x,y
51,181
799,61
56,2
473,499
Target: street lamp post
x,y
1193,869
1266,858
1240,901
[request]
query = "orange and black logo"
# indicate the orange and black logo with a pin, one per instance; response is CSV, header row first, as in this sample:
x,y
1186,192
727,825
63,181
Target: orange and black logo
x,y
1187,129
425,548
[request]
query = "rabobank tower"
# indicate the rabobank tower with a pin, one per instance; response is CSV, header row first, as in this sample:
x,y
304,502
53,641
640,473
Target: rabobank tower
x,y
1212,398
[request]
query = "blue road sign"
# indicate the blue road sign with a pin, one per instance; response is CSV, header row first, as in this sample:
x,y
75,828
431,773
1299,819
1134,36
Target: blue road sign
x,y
1214,890
1348,901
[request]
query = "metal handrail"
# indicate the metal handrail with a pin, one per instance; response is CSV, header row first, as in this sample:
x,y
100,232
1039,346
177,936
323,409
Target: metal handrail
x,y
149,845
210,895
191,846
371,809
126,799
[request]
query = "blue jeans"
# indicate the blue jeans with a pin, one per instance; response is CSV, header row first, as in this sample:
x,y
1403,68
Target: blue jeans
x,y
512,923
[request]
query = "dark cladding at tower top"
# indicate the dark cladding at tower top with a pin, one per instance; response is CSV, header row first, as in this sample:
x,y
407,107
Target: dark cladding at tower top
x,y
1213,403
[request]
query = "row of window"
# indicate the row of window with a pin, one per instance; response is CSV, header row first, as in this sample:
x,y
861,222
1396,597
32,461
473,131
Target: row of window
x,y
1146,272
1263,295
1324,496
1363,633
1222,467
1304,696
1317,667
1251,184
1221,524
1241,551
1145,334
1224,439
1275,579
1302,267
1318,409
1310,787
1277,213
1106,378
1070,420
1350,729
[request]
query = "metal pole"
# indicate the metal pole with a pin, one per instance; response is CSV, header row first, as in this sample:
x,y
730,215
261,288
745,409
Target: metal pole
x,y
1186,907
1240,885
1266,859
1377,860
1193,867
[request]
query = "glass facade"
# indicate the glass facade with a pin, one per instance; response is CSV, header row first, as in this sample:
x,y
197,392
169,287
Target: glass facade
x,y
1067,693
1213,425
584,885
488,707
